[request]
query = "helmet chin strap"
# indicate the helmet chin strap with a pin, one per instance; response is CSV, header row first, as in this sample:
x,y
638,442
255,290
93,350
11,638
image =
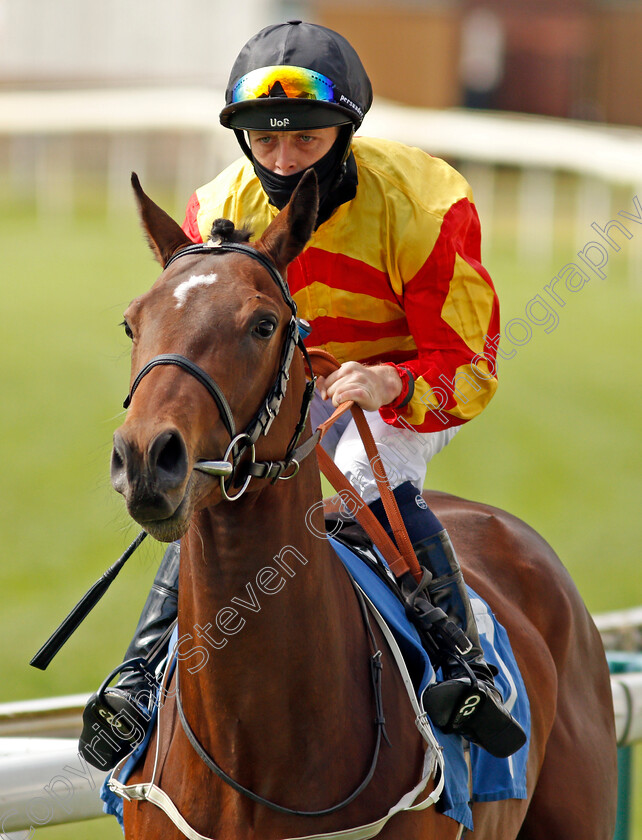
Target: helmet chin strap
x,y
243,143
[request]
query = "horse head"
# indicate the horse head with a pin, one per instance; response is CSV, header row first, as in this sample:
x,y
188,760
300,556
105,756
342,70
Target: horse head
x,y
212,342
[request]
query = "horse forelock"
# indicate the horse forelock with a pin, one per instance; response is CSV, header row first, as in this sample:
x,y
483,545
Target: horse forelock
x,y
223,230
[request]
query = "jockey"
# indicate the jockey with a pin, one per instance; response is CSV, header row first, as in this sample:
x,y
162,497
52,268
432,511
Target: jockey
x,y
392,285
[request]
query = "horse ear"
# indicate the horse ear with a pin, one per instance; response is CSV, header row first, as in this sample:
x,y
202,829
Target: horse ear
x,y
288,234
165,236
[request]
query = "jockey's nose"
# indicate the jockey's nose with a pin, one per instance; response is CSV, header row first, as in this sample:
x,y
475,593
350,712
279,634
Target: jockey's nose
x,y
285,161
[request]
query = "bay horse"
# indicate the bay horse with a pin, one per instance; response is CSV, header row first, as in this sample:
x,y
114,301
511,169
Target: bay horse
x,y
274,674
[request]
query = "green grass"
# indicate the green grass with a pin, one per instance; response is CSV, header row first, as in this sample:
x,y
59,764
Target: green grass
x,y
65,374
558,446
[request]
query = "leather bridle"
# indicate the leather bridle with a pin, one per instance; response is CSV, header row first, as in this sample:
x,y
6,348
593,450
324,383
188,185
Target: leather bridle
x,y
234,470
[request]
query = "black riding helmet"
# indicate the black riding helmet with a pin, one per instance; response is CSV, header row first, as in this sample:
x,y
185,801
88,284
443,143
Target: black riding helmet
x,y
324,84
295,76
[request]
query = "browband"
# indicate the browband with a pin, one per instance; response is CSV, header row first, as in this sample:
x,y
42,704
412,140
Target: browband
x,y
239,248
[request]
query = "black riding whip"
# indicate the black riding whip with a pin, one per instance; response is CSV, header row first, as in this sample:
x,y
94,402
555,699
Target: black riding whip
x,y
82,609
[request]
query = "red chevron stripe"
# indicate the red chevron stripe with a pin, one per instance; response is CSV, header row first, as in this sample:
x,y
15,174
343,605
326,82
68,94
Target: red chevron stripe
x,y
339,272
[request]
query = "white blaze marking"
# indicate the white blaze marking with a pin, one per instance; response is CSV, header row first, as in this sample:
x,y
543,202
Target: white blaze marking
x,y
180,292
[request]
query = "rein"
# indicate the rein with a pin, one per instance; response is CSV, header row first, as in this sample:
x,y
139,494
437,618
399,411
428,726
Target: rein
x,y
400,556
376,667
400,562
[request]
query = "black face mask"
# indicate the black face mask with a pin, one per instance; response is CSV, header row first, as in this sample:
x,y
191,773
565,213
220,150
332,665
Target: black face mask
x,y
337,177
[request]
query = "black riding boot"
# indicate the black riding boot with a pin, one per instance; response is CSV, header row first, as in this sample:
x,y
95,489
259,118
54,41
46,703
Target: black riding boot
x,y
467,701
116,718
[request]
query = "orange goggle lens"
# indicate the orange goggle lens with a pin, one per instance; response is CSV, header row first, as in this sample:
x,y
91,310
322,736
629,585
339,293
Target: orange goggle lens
x,y
284,81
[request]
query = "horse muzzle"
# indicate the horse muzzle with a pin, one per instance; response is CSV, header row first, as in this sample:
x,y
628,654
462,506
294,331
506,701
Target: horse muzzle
x,y
152,477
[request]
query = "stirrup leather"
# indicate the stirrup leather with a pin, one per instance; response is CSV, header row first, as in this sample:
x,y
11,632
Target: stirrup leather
x,y
442,633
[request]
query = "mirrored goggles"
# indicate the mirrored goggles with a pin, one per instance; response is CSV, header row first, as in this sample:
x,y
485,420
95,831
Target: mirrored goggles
x,y
284,81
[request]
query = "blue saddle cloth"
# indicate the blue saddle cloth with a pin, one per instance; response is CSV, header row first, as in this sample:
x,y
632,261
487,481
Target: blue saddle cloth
x,y
492,778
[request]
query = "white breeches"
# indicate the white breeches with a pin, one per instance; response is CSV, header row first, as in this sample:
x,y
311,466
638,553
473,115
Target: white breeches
x,y
404,453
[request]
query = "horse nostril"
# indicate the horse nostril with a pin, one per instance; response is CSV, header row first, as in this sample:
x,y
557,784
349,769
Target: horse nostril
x,y
168,455
118,458
117,462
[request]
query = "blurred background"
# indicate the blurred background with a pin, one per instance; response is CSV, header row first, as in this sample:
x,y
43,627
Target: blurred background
x,y
537,103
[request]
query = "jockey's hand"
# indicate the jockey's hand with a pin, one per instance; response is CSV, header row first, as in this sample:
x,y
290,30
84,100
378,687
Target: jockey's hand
x,y
369,387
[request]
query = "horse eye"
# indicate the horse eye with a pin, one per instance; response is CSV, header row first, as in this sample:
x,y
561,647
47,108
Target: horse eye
x,y
128,331
265,328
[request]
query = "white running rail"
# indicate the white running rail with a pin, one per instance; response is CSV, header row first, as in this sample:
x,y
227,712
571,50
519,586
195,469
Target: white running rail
x,y
587,172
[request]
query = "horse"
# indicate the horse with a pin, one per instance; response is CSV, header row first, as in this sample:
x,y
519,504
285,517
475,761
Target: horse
x,y
274,678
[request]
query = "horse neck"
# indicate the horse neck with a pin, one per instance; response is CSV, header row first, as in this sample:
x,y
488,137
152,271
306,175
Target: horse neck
x,y
266,600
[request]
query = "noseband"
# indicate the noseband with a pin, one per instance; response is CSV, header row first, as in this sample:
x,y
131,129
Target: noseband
x,y
228,469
